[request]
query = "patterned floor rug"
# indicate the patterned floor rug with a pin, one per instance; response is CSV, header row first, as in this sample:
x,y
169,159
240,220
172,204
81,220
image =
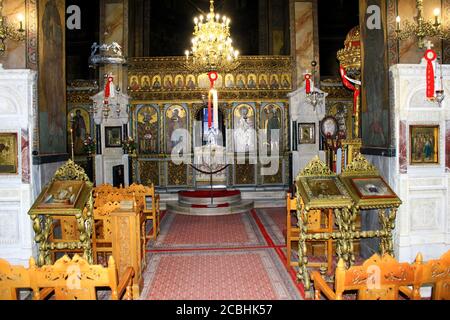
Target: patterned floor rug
x,y
256,274
274,221
183,231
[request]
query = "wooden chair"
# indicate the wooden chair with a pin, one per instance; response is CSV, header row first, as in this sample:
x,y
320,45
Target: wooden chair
x,y
75,279
435,273
102,236
12,278
379,278
151,206
314,225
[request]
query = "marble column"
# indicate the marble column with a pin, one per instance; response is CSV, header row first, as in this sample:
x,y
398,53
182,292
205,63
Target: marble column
x,y
303,49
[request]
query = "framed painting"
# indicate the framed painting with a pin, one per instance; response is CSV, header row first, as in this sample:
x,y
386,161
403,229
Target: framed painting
x,y
372,187
424,144
8,153
113,137
61,194
307,133
322,187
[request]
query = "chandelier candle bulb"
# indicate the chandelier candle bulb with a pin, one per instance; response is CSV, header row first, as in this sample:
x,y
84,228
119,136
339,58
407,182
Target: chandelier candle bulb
x,y
436,13
398,20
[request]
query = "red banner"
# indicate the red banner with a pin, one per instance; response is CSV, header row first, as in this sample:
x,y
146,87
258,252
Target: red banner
x,y
108,87
430,56
212,78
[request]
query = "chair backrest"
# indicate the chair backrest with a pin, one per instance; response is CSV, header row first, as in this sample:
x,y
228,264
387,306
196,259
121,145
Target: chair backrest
x,y
378,278
76,279
11,279
435,273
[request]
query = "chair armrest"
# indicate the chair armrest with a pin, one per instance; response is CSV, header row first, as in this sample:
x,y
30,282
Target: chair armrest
x,y
126,280
321,286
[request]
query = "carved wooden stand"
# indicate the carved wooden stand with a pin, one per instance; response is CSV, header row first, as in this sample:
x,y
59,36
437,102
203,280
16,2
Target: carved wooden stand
x,y
82,213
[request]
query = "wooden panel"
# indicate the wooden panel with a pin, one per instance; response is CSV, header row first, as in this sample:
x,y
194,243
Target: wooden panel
x,y
375,76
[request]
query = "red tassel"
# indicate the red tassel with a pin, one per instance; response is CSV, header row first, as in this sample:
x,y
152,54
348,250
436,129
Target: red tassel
x,y
430,56
308,83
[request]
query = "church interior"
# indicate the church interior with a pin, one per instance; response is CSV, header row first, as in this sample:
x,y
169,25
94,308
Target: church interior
x,y
225,150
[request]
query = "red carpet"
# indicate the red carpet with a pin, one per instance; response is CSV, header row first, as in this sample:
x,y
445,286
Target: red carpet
x,y
183,231
244,275
231,257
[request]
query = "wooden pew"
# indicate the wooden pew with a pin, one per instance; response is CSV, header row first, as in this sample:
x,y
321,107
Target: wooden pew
x,y
379,278
75,279
435,273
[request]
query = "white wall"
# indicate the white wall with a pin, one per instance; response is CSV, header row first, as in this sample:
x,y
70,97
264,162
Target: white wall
x,y
16,191
423,221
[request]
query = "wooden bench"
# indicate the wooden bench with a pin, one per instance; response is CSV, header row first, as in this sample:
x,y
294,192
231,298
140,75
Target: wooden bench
x,y
435,273
75,279
378,278
67,279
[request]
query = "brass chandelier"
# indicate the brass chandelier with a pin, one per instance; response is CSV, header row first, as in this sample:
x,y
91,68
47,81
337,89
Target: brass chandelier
x,y
421,28
212,48
8,31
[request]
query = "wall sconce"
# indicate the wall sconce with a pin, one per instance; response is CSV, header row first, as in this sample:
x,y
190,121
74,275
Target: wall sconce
x,y
8,31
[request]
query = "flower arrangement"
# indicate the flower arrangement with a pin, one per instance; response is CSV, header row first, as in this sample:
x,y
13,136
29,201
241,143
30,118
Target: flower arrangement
x,y
128,145
89,145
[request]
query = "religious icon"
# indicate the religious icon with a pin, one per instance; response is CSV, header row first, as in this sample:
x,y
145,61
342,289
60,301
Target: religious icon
x,y
203,81
179,82
263,81
229,81
244,125
424,144
156,82
252,81
323,187
286,83
191,82
175,119
372,187
8,153
134,84
168,84
307,134
240,83
145,83
79,122
61,194
329,127
271,119
113,137
274,82
147,130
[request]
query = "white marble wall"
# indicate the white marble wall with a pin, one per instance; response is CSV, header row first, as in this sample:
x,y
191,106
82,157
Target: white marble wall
x,y
423,221
16,190
302,111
